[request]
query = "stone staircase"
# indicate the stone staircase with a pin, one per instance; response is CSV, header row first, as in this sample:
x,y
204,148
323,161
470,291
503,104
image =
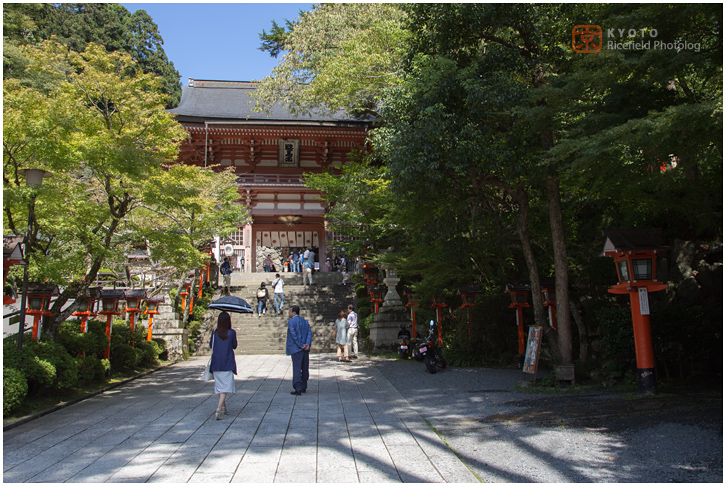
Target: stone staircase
x,y
319,305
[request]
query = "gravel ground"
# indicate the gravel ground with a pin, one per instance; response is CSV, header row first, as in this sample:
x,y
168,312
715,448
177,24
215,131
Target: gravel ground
x,y
509,435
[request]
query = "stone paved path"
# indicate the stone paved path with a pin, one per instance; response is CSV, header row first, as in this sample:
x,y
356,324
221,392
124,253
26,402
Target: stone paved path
x,y
351,426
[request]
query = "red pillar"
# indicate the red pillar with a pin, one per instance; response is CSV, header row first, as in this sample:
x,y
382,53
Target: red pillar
x,y
107,352
520,329
645,362
36,327
148,333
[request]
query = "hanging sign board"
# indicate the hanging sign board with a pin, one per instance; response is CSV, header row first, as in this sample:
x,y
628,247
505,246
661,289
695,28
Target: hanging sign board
x,y
531,356
644,306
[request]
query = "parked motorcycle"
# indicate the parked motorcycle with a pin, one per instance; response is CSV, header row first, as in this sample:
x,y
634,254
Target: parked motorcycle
x,y
430,353
404,342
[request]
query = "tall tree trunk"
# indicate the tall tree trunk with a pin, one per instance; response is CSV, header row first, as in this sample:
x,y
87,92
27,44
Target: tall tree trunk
x,y
562,282
540,318
582,331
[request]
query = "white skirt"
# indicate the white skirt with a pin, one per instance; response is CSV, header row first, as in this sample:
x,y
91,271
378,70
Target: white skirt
x,y
223,382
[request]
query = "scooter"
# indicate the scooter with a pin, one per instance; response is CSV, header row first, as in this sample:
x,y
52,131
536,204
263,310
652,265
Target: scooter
x,y
431,354
404,342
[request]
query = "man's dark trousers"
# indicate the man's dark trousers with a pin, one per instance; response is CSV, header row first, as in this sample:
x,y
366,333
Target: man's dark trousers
x,y
300,370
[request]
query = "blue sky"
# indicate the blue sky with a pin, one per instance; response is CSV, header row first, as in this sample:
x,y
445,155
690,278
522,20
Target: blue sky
x,y
218,40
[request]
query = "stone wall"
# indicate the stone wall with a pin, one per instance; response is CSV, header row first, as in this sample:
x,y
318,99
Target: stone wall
x,y
167,326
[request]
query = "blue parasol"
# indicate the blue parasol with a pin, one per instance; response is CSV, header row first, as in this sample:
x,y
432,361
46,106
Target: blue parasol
x,y
230,303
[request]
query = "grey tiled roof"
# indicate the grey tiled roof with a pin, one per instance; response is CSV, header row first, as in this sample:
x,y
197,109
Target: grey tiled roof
x,y
230,100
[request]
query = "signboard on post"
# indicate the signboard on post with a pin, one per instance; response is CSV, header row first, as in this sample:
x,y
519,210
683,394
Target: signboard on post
x,y
531,356
644,306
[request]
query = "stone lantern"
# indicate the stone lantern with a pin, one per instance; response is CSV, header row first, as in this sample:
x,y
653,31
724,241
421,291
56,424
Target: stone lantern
x,y
109,308
635,253
518,293
468,297
38,303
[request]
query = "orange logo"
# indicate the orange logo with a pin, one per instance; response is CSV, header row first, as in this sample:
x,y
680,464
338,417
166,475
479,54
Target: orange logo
x,y
587,39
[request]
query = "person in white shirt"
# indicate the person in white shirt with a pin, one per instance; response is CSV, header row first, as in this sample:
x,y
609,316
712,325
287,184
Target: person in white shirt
x,y
277,285
352,332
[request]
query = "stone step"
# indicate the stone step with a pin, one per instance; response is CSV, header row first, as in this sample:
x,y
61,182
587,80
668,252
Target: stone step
x,y
319,304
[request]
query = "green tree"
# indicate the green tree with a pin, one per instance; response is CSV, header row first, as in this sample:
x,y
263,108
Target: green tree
x,y
183,208
336,57
79,24
360,205
102,132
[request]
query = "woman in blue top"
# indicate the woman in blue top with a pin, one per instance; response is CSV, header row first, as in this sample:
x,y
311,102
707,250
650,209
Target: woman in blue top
x,y
223,344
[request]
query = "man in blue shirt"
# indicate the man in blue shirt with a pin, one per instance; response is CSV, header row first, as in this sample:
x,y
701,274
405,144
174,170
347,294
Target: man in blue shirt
x,y
299,339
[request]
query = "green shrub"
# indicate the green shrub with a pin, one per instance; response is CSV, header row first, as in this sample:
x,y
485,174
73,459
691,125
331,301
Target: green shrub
x,y
15,389
71,338
164,354
95,341
194,327
66,367
90,369
139,356
616,331
123,357
150,354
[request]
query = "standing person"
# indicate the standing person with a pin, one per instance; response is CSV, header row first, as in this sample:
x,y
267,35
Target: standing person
x,y
267,263
306,254
226,271
341,335
344,263
300,261
311,256
352,332
307,272
279,297
223,364
327,264
299,339
290,263
295,261
262,297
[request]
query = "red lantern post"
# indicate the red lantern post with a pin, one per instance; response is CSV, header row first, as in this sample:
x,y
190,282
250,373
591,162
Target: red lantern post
x,y
186,287
92,296
468,297
635,253
134,298
376,296
201,282
109,308
438,305
152,308
518,292
38,302
412,303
